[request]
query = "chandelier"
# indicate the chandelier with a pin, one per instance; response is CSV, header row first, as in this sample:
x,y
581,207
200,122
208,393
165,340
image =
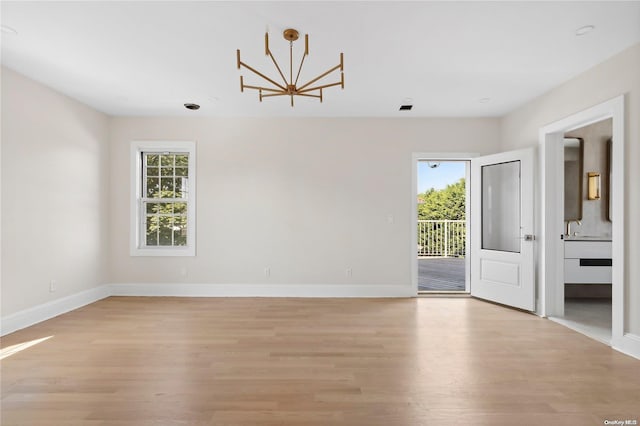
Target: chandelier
x,y
290,87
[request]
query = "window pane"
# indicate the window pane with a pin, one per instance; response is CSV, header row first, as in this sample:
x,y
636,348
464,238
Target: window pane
x,y
166,231
180,184
152,208
153,187
501,207
152,159
166,171
180,231
182,160
180,208
152,171
182,171
166,186
166,160
165,208
152,230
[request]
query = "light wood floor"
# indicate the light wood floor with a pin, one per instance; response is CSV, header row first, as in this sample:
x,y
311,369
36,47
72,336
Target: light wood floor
x,y
179,361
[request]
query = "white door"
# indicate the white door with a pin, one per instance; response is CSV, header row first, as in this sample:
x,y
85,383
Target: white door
x,y
502,241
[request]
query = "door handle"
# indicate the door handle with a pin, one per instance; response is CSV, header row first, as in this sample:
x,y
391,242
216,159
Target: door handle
x,y
529,237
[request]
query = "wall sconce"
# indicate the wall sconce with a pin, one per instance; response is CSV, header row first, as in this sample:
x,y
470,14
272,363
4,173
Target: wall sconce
x,y
593,186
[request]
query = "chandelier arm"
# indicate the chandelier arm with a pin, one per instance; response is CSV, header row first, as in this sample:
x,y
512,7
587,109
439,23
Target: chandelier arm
x,y
320,76
262,75
263,88
311,89
278,68
270,95
304,55
309,95
266,43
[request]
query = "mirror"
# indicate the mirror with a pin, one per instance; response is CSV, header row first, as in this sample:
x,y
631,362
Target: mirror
x,y
573,153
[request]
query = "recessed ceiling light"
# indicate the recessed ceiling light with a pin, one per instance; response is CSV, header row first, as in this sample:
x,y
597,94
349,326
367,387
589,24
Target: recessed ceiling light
x,y
584,30
192,107
8,30
484,100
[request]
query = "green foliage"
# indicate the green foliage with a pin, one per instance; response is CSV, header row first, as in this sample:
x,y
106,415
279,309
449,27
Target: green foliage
x,y
442,238
443,204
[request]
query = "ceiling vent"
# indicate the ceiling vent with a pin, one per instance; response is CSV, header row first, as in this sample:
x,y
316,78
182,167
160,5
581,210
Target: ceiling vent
x,y
406,107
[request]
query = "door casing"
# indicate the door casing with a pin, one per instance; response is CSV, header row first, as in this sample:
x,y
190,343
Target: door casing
x,y
551,217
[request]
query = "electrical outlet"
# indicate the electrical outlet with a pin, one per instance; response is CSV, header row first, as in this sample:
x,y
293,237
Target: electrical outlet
x,y
267,272
349,272
53,286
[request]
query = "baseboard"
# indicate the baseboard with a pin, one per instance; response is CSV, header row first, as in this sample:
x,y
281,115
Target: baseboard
x,y
48,310
36,314
261,290
629,344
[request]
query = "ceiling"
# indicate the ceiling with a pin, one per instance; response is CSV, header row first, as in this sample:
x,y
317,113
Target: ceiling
x,y
449,59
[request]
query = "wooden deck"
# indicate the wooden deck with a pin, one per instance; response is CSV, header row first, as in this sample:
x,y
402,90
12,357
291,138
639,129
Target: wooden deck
x,y
441,274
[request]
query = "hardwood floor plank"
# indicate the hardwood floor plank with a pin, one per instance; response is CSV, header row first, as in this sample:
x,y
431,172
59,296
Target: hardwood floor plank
x,y
180,361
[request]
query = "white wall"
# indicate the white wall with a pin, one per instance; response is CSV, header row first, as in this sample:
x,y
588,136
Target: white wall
x,y
618,75
306,197
54,194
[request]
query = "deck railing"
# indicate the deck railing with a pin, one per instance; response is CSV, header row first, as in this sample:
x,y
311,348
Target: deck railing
x,y
443,238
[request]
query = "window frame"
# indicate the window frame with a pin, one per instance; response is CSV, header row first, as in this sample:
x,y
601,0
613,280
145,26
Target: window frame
x,y
137,239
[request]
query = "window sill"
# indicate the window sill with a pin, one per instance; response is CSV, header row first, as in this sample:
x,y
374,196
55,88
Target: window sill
x,y
163,252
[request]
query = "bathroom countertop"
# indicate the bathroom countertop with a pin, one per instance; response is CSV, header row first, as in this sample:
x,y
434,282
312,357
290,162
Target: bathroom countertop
x,y
586,238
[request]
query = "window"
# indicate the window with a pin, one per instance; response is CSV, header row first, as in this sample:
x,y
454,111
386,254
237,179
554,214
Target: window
x,y
163,204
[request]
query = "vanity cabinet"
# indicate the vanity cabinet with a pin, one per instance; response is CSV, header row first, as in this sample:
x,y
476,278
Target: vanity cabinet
x,y
587,262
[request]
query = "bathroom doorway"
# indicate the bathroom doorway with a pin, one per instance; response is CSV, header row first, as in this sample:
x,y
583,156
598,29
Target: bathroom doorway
x,y
442,225
554,250
587,257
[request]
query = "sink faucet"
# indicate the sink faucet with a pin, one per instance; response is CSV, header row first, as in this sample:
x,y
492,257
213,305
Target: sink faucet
x,y
569,226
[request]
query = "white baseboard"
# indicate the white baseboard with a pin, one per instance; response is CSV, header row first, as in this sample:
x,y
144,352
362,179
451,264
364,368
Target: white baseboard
x,y
629,344
262,290
48,310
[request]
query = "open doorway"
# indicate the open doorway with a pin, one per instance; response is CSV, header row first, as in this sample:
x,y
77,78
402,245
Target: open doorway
x,y
553,251
442,219
587,256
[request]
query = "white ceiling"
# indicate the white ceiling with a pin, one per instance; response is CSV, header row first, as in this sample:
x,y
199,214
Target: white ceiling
x,y
149,58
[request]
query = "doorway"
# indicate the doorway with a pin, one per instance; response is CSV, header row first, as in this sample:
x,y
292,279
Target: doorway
x,y
587,237
559,261
441,215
